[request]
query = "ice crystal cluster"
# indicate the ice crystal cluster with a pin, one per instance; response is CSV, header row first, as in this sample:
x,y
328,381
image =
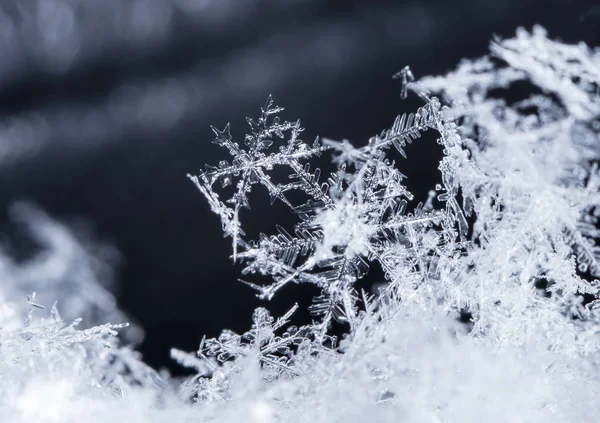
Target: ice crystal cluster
x,y
507,240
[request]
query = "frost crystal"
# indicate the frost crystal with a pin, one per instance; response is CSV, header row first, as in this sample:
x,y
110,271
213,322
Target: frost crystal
x,y
507,241
508,238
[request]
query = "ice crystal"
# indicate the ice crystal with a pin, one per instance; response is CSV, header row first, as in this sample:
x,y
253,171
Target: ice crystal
x,y
348,220
507,240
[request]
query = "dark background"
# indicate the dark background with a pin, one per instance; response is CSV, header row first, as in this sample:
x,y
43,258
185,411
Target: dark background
x,y
105,106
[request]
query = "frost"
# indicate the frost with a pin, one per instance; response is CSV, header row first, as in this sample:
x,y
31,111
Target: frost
x,y
507,239
69,267
510,238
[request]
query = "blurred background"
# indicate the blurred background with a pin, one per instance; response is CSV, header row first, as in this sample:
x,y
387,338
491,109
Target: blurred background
x,y
105,106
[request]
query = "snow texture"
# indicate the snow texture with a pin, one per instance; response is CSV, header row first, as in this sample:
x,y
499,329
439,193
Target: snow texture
x,y
507,239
